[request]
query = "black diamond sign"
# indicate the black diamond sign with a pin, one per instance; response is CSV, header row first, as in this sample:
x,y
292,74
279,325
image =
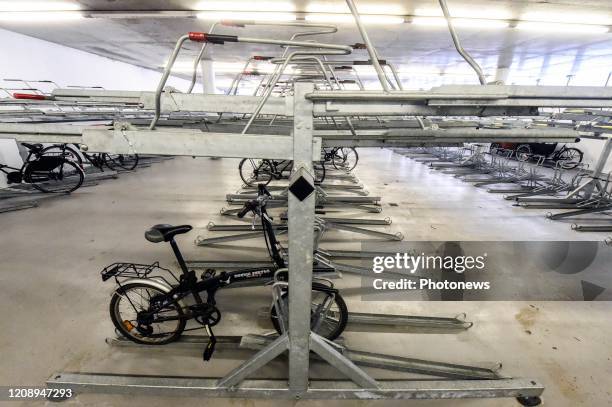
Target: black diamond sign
x,y
301,188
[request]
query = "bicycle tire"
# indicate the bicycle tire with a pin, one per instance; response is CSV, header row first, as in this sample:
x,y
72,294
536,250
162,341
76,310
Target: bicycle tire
x,y
571,164
523,152
347,152
320,173
120,325
43,185
71,154
248,178
125,161
335,333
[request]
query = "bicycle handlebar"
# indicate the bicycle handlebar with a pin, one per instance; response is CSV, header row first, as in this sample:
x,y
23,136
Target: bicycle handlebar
x,y
263,195
246,209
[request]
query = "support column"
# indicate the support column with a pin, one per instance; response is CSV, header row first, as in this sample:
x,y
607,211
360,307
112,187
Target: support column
x,y
501,75
301,239
599,167
208,76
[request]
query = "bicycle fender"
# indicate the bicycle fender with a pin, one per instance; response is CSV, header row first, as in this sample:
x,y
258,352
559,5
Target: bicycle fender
x,y
153,283
324,288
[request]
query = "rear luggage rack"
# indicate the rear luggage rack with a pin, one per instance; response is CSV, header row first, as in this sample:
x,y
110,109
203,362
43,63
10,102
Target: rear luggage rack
x,y
133,270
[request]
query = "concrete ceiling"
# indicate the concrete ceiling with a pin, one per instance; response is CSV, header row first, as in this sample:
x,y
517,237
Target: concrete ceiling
x,y
424,54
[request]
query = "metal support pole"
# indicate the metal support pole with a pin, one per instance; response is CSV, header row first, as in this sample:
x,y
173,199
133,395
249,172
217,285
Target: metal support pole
x,y
467,57
371,51
599,167
301,217
208,76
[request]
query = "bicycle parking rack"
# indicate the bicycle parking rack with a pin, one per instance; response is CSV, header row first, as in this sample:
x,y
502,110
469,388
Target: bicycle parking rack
x,y
587,192
319,117
24,196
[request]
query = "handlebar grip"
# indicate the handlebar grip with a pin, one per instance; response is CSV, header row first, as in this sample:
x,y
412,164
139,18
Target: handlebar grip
x,y
30,96
212,38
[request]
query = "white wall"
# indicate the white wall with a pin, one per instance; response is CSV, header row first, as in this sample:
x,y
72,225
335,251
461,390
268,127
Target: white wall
x,y
29,58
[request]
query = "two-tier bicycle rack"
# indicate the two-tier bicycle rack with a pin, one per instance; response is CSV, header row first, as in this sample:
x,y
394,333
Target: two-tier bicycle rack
x,y
362,116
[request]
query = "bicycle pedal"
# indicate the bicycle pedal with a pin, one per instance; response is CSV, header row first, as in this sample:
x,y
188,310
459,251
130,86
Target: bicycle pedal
x,y
210,347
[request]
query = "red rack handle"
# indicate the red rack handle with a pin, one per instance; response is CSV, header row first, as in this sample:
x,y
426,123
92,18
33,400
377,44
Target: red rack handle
x,y
30,96
212,38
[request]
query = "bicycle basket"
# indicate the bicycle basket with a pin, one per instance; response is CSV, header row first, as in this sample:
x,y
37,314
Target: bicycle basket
x,y
127,270
46,163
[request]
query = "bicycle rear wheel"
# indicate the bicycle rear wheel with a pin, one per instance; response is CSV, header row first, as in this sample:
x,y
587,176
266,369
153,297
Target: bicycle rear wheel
x,y
124,161
349,159
128,311
64,178
327,320
254,173
64,151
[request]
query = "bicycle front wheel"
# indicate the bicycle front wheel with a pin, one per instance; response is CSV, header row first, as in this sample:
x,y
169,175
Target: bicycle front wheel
x,y
570,158
319,169
64,178
129,311
255,172
328,314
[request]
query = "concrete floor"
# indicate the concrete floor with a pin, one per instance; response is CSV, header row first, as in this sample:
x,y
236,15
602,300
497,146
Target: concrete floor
x,y
56,306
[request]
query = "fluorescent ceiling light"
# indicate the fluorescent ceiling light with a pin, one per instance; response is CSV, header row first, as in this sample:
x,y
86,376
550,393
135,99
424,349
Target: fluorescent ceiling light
x,y
264,6
348,18
31,16
562,28
387,9
474,23
37,6
477,13
568,17
246,15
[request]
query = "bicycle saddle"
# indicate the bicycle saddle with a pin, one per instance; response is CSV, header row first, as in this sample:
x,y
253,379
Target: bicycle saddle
x,y
165,233
33,147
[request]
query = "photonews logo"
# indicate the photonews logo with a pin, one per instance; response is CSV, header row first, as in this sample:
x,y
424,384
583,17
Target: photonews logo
x,y
413,263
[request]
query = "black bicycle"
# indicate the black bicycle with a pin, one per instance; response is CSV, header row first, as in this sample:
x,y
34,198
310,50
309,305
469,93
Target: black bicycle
x,y
111,161
150,305
569,157
264,171
342,158
47,173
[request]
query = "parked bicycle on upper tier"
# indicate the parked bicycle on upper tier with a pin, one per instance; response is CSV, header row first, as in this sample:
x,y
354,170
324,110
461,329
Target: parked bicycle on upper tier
x,y
253,172
342,158
568,157
112,161
152,306
47,173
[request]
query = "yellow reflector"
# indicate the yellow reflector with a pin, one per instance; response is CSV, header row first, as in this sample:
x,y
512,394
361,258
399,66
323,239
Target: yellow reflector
x,y
128,325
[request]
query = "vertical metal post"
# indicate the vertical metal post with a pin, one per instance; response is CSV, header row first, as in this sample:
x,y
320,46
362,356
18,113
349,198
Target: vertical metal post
x,y
466,56
301,240
208,76
371,51
600,165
